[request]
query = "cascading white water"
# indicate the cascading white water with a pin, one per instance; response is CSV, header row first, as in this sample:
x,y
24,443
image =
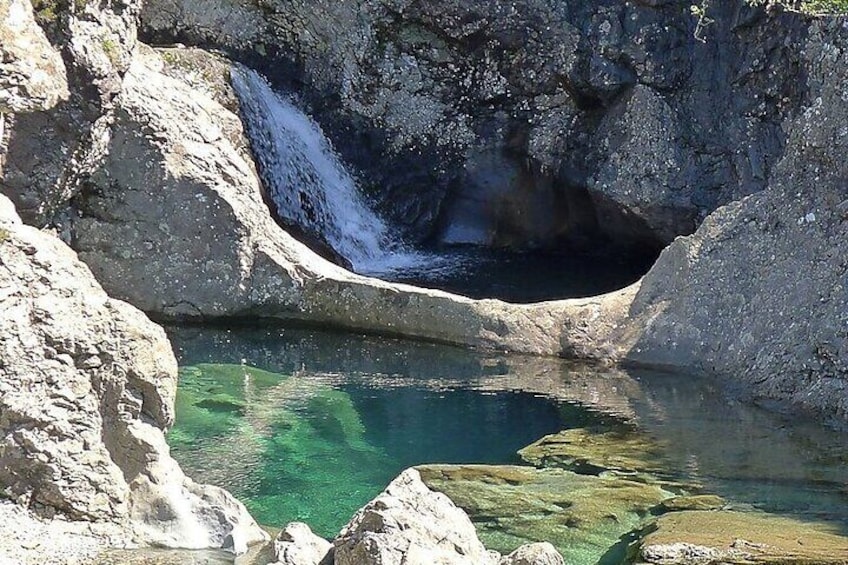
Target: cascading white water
x,y
304,177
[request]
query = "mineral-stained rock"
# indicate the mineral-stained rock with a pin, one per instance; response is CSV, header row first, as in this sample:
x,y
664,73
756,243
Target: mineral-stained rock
x,y
32,73
297,545
87,384
697,538
410,524
759,292
583,516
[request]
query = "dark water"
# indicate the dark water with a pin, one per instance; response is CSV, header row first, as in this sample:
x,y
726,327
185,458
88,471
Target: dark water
x,y
309,426
530,276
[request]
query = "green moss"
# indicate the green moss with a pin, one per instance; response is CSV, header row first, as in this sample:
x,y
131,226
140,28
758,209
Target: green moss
x,y
4,235
46,11
110,48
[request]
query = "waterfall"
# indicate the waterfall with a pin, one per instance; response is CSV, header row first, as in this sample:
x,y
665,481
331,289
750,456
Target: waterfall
x,y
308,183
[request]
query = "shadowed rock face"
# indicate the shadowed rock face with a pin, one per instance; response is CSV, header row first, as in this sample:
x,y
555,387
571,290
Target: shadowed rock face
x,y
46,152
546,121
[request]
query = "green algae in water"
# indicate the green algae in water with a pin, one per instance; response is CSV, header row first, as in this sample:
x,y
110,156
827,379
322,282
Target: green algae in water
x,y
308,448
299,447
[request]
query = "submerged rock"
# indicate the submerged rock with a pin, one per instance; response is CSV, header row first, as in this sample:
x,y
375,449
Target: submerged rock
x,y
584,450
695,538
87,385
583,516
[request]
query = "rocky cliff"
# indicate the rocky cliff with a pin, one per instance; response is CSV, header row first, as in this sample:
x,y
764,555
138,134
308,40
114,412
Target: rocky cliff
x,y
550,122
87,387
760,292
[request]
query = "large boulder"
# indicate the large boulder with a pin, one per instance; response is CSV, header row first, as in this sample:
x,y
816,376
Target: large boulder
x,y
759,292
409,523
87,386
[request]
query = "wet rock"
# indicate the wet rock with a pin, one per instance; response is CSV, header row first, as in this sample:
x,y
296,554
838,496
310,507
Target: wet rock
x,y
32,73
83,440
297,545
689,538
409,523
583,516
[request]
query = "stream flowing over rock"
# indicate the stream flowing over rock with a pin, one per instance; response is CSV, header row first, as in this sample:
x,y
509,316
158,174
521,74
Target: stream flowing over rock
x,y
87,384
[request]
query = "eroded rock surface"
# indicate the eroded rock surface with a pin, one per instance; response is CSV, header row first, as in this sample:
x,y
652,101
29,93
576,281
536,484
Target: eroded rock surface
x,y
146,236
759,292
48,152
87,384
522,115
583,516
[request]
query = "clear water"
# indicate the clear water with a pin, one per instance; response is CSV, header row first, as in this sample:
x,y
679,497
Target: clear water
x,y
309,426
529,276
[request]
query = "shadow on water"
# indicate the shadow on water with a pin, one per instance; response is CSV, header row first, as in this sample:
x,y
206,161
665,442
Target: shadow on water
x,y
309,426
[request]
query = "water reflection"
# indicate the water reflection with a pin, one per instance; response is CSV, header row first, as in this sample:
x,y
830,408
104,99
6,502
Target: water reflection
x,y
327,419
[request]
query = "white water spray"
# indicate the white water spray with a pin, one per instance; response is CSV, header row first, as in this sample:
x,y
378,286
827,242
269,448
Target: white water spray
x,y
308,183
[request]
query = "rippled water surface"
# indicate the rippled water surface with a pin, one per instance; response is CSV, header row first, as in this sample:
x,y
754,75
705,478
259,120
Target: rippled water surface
x,y
309,426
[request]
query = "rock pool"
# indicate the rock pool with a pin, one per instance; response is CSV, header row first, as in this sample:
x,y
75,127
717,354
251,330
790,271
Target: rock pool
x,y
309,426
